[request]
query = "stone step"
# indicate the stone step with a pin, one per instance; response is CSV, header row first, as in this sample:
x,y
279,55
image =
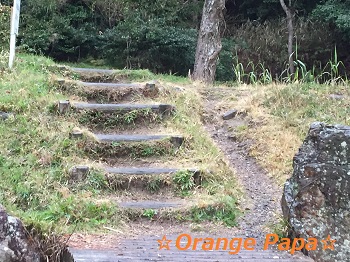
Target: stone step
x,y
114,146
4,115
148,204
146,170
110,85
103,92
107,138
92,70
64,107
99,75
105,86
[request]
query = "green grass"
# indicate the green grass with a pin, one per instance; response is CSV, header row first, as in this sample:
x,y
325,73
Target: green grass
x,y
298,105
149,213
223,210
125,119
184,182
36,153
133,75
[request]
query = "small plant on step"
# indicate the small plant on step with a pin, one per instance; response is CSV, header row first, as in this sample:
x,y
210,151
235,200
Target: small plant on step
x,y
154,185
130,117
225,210
147,151
184,182
149,213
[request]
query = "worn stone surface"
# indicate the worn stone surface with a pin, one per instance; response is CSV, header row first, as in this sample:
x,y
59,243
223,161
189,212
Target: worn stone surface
x,y
63,106
4,115
337,96
230,114
112,108
79,173
316,199
76,135
14,244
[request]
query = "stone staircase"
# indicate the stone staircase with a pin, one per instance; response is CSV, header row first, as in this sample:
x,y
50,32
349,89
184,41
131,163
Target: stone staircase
x,y
110,103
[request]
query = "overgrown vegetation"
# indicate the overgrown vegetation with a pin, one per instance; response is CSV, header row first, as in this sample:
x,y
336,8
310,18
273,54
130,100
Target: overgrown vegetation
x,y
161,36
126,119
5,14
224,210
184,182
280,116
36,154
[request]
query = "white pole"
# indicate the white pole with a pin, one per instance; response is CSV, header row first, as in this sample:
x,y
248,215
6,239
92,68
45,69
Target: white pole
x,y
14,30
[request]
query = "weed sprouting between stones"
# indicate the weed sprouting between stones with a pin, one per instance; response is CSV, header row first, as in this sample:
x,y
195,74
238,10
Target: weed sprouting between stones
x,y
111,120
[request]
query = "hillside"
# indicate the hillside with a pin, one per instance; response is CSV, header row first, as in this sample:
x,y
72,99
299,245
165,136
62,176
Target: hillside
x,y
219,169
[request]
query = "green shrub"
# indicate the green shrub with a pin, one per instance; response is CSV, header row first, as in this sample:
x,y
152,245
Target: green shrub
x,y
160,48
336,13
62,31
263,46
5,17
224,69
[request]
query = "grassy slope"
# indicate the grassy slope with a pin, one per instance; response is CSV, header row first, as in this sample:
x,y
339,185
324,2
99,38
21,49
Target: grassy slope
x,y
36,154
281,116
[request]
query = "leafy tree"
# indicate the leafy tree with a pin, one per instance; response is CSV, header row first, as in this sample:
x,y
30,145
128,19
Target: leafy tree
x,y
5,13
335,12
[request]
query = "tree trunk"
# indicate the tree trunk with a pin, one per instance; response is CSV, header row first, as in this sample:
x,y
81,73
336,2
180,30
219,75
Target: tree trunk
x,y
209,41
290,26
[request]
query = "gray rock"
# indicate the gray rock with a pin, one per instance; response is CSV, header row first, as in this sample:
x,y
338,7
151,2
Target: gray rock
x,y
337,97
316,199
230,114
4,115
79,173
14,244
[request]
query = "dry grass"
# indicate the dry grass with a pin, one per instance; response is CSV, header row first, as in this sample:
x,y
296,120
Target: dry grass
x,y
274,144
280,115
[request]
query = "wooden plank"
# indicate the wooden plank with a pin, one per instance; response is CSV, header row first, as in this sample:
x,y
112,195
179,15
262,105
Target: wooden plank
x,y
109,85
148,253
149,204
92,70
146,170
136,138
110,108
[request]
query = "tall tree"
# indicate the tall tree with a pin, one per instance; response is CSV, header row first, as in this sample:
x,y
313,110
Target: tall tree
x,y
209,41
290,25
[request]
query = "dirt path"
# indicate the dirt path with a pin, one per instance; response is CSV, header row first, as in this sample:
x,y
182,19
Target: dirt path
x,y
261,201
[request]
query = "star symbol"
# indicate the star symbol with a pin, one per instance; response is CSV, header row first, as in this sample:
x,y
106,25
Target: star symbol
x,y
164,243
326,242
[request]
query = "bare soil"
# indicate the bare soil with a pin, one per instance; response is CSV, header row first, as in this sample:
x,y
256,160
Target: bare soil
x,y
261,202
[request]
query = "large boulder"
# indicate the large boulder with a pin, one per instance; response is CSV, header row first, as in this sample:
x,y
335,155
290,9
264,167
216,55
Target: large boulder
x,y
14,243
316,199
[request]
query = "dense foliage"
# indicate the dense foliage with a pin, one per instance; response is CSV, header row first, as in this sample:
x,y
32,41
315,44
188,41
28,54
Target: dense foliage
x,y
161,35
4,27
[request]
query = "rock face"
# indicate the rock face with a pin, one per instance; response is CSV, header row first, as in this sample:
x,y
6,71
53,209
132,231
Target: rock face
x,y
316,199
14,244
